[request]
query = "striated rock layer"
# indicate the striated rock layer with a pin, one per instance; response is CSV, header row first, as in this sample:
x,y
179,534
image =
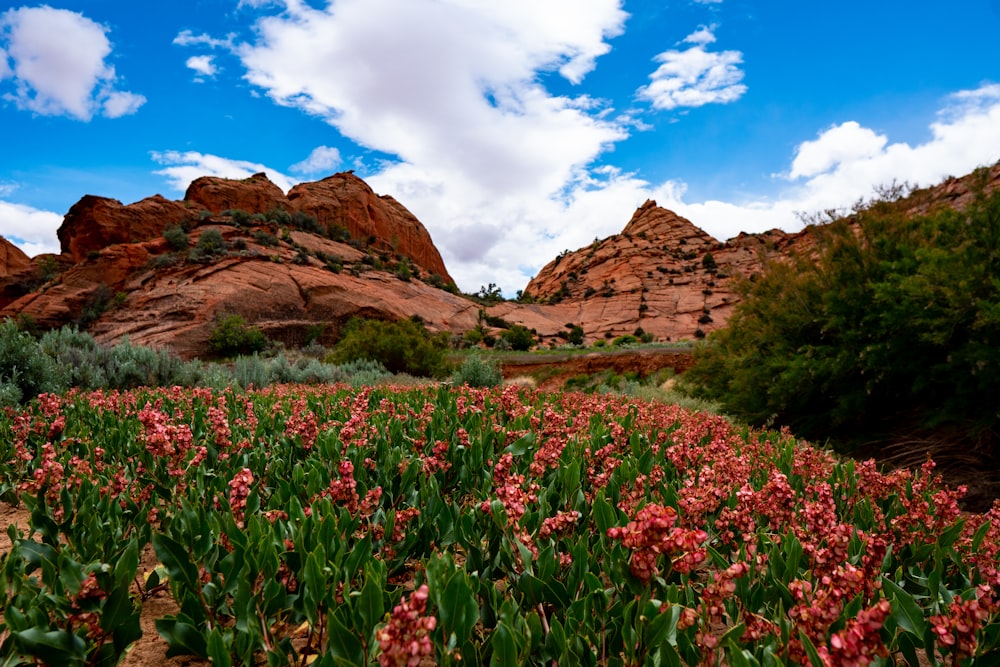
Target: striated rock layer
x,y
662,274
293,266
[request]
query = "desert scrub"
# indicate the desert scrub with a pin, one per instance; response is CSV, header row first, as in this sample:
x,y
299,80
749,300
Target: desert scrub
x,y
232,336
476,371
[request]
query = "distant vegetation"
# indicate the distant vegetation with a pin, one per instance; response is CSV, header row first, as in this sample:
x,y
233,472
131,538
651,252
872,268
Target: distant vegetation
x,y
65,358
889,334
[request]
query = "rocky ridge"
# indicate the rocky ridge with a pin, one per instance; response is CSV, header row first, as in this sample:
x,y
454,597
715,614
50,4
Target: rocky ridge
x,y
297,266
300,265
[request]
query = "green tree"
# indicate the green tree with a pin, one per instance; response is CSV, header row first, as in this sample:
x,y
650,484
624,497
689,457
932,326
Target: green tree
x,y
891,330
402,347
519,337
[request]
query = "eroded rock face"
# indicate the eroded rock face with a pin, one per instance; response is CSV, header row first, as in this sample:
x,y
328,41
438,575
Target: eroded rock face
x,y
662,274
177,309
256,194
346,201
94,223
12,258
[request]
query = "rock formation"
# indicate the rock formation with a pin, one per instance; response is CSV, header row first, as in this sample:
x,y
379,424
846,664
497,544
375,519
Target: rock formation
x,y
12,258
346,201
662,274
94,223
290,265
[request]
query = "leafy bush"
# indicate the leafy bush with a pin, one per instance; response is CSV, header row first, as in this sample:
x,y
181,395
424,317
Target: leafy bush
x,y
210,244
25,369
575,336
519,337
478,372
402,347
265,238
232,336
176,237
626,340
892,331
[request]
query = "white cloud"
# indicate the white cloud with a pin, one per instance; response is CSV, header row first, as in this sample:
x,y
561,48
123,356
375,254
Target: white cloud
x,y
59,64
182,168
118,104
695,77
846,142
322,159
31,229
188,38
448,86
5,69
203,66
847,161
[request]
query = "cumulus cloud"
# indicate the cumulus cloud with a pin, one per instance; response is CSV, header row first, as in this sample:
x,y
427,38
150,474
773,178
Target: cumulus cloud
x,y
846,142
695,77
56,59
203,66
447,86
31,229
180,168
322,159
847,162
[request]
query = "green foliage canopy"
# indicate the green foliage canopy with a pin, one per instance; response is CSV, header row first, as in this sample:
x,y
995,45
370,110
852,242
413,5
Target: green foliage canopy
x,y
402,347
892,329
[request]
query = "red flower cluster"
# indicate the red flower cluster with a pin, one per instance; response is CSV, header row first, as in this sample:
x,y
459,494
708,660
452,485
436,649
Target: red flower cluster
x,y
653,533
405,640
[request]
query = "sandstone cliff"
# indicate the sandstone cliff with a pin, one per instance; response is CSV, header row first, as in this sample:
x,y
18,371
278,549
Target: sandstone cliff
x,y
292,265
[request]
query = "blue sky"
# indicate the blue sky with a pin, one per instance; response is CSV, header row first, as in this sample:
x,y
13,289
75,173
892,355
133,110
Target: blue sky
x,y
513,130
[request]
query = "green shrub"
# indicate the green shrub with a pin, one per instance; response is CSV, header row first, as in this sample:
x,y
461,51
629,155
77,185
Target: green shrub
x,y
519,337
575,336
210,244
891,331
25,369
232,336
622,341
176,237
478,372
264,238
402,347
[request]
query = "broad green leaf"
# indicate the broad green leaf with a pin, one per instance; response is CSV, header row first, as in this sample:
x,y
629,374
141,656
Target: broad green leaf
x,y
182,637
56,647
905,609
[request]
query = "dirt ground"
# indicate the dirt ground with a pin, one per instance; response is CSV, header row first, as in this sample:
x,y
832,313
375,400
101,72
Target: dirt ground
x,y
552,371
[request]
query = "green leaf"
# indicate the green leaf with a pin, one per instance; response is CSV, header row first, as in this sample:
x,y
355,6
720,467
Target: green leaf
x,y
905,610
176,559
182,637
370,605
128,563
505,651
604,514
218,652
811,651
459,610
56,647
344,644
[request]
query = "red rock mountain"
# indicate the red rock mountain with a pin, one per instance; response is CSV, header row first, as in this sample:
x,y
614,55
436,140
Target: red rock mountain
x,y
329,251
162,271
668,277
661,274
12,258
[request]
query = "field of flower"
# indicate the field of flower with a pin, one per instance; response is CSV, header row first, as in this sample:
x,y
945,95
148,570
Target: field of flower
x,y
417,526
